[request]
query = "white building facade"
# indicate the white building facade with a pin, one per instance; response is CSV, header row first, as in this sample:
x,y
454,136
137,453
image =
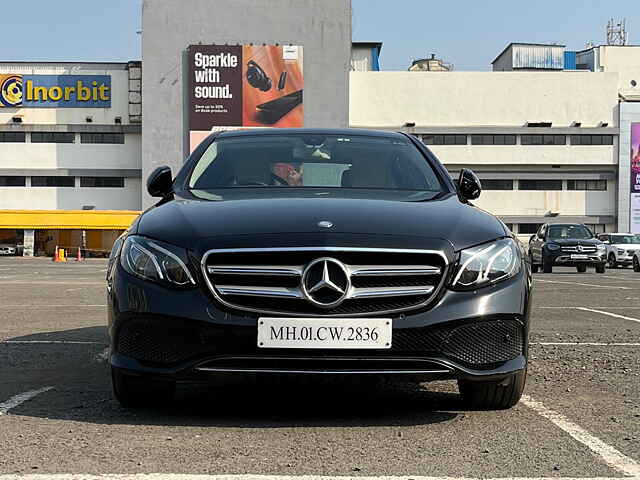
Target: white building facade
x,y
549,145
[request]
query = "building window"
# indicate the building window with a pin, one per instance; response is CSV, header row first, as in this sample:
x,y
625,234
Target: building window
x,y
540,185
509,226
53,181
528,228
53,137
591,139
103,182
12,137
497,184
444,139
13,181
493,139
599,185
543,140
102,138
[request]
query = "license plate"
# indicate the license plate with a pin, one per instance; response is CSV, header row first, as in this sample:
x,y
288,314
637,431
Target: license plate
x,y
328,333
579,257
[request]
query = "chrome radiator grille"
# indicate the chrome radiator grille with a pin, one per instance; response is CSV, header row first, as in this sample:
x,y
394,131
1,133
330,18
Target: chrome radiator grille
x,y
580,249
324,281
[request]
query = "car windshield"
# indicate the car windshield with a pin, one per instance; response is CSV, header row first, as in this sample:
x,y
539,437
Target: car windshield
x,y
624,239
314,161
569,231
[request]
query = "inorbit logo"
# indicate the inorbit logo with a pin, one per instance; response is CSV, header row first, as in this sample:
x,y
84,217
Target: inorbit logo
x,y
59,91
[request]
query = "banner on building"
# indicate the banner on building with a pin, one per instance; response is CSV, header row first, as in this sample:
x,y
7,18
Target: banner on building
x,y
250,86
55,91
635,178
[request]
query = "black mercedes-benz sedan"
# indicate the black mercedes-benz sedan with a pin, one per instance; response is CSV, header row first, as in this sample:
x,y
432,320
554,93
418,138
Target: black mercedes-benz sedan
x,y
317,252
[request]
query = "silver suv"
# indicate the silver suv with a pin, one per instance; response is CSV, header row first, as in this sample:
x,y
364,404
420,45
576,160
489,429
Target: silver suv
x,y
621,248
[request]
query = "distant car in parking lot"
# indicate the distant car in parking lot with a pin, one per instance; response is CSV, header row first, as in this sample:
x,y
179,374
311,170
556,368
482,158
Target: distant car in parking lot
x,y
621,248
7,249
567,245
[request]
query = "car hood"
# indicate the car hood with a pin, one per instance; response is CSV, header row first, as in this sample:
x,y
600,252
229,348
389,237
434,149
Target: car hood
x,y
575,241
627,246
187,221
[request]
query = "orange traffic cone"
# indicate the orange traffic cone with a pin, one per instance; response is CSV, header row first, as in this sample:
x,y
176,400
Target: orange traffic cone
x,y
79,256
56,257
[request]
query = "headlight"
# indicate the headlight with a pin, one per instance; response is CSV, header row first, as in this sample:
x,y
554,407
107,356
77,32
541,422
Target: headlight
x,y
487,264
553,246
601,246
621,252
156,261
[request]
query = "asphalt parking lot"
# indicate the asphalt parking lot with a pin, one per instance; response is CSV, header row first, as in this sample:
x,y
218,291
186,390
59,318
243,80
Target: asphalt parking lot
x,y
580,417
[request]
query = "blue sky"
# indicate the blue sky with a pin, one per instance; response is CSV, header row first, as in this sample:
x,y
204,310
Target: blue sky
x,y
467,33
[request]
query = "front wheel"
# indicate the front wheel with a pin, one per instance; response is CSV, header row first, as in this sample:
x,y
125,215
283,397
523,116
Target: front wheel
x,y
133,391
636,264
581,268
547,266
534,267
493,395
600,267
613,263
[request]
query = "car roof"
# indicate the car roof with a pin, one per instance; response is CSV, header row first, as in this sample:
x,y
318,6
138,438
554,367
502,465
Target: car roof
x,y
619,233
312,131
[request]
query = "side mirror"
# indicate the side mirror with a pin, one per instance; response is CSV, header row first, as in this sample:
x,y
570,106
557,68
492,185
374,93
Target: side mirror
x,y
533,237
469,186
540,236
159,182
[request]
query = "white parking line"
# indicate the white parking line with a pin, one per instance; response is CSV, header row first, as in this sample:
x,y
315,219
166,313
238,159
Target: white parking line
x,y
584,284
588,344
189,476
615,315
69,342
13,402
614,458
51,306
609,308
621,278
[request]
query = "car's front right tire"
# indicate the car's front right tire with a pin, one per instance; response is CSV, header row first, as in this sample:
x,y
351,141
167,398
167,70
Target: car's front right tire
x,y
493,395
133,391
613,263
636,264
547,266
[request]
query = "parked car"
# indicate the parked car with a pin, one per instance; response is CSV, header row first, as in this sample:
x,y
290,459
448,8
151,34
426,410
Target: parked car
x,y
568,245
620,248
345,252
6,249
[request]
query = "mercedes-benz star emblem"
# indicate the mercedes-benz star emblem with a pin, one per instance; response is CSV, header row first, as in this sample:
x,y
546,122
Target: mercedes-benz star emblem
x,y
579,248
325,282
325,224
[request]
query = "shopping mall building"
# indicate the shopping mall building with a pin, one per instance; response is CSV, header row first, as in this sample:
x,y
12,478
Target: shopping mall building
x,y
547,130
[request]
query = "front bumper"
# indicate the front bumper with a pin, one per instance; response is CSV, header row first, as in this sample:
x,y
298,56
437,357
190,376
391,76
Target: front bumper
x,y
184,335
570,260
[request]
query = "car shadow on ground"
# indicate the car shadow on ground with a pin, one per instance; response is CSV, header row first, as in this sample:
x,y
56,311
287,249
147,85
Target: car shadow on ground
x,y
81,392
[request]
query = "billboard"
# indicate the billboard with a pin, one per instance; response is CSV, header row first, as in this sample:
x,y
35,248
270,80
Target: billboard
x,y
635,178
250,86
55,91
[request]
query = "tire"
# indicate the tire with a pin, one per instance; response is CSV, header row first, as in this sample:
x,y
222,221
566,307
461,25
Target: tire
x,y
132,391
636,264
581,268
534,267
547,266
493,395
613,263
600,267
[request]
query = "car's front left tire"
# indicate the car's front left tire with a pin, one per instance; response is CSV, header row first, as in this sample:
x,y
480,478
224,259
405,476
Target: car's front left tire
x,y
493,395
636,264
613,263
134,391
600,267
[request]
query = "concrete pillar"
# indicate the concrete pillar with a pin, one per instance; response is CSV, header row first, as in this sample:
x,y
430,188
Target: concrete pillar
x,y
29,243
